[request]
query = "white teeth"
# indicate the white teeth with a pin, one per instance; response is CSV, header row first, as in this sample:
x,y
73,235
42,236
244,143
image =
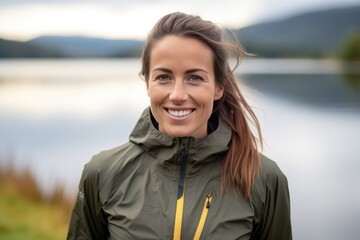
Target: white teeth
x,y
179,113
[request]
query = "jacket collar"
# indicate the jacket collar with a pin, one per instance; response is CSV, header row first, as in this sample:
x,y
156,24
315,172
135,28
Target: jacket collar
x,y
166,149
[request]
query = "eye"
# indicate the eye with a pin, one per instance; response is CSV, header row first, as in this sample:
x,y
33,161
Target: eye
x,y
195,79
163,78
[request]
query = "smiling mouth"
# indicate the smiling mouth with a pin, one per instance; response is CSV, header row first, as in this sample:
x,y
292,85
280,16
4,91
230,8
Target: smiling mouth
x,y
179,113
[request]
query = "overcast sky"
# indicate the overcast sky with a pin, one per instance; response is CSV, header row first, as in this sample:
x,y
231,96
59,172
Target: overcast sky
x,y
23,20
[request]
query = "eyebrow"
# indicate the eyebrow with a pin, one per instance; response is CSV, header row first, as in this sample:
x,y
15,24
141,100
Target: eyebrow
x,y
187,71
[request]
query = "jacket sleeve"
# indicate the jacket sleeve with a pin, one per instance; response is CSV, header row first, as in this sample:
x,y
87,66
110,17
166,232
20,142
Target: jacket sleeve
x,y
275,218
88,220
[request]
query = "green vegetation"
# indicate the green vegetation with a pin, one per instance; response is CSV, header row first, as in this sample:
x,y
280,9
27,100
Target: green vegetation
x,y
25,213
351,48
350,54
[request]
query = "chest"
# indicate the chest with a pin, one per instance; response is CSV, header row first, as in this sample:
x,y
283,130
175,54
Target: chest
x,y
146,206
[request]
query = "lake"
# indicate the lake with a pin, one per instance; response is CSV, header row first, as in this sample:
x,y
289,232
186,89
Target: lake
x,y
56,114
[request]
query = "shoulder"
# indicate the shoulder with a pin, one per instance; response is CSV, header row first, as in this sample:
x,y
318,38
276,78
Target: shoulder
x,y
102,168
270,182
269,170
105,160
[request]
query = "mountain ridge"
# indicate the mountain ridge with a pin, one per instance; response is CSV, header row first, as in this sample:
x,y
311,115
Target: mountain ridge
x,y
318,33
310,34
81,46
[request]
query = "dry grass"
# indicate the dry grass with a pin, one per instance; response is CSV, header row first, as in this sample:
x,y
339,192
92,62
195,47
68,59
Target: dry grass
x,y
24,183
26,212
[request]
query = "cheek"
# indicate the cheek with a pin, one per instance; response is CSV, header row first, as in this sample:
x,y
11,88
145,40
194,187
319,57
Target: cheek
x,y
155,95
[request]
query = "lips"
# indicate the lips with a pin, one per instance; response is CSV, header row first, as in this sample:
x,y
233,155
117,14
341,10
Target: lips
x,y
179,113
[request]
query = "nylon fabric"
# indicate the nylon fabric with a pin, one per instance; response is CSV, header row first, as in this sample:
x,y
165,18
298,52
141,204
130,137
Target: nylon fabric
x,y
131,192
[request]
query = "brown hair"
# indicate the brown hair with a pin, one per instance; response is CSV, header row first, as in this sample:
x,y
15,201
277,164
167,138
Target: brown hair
x,y
242,161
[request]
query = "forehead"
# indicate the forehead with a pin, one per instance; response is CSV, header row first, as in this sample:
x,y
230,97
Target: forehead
x,y
175,50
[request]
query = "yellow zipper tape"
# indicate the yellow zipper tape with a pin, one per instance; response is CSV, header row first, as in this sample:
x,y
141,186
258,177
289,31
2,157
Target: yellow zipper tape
x,y
178,217
203,217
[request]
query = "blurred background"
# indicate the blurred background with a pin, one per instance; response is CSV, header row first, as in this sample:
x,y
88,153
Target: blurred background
x,y
69,88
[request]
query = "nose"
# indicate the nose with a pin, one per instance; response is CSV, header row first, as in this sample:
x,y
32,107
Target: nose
x,y
178,92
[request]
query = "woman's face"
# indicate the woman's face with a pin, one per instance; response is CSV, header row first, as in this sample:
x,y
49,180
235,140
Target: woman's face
x,y
181,86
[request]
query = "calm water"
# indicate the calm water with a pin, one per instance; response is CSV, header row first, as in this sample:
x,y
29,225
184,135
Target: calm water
x,y
56,114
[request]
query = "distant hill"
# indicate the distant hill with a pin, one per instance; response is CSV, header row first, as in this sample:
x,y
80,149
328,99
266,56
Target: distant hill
x,y
15,49
77,46
316,34
313,34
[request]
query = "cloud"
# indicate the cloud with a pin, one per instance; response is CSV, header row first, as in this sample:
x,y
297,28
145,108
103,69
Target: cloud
x,y
94,19
133,19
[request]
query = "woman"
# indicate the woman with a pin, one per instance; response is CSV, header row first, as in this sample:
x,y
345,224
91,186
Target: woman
x,y
192,167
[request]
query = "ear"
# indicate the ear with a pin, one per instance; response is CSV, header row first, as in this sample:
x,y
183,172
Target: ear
x,y
219,91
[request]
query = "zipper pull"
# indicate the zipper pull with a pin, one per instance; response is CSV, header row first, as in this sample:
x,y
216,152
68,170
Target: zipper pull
x,y
182,155
183,150
209,197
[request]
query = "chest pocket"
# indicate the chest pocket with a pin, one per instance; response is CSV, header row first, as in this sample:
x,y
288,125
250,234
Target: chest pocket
x,y
208,199
223,216
197,208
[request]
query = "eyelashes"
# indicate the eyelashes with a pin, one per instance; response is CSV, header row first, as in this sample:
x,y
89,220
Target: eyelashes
x,y
192,79
163,77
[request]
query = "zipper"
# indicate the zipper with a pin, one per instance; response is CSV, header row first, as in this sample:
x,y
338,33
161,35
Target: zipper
x,y
203,216
182,161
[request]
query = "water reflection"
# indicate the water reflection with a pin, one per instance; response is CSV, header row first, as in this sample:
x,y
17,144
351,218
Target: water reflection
x,y
321,90
79,99
79,89
352,80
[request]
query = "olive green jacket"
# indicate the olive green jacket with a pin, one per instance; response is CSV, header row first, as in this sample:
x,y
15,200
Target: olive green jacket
x,y
161,187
